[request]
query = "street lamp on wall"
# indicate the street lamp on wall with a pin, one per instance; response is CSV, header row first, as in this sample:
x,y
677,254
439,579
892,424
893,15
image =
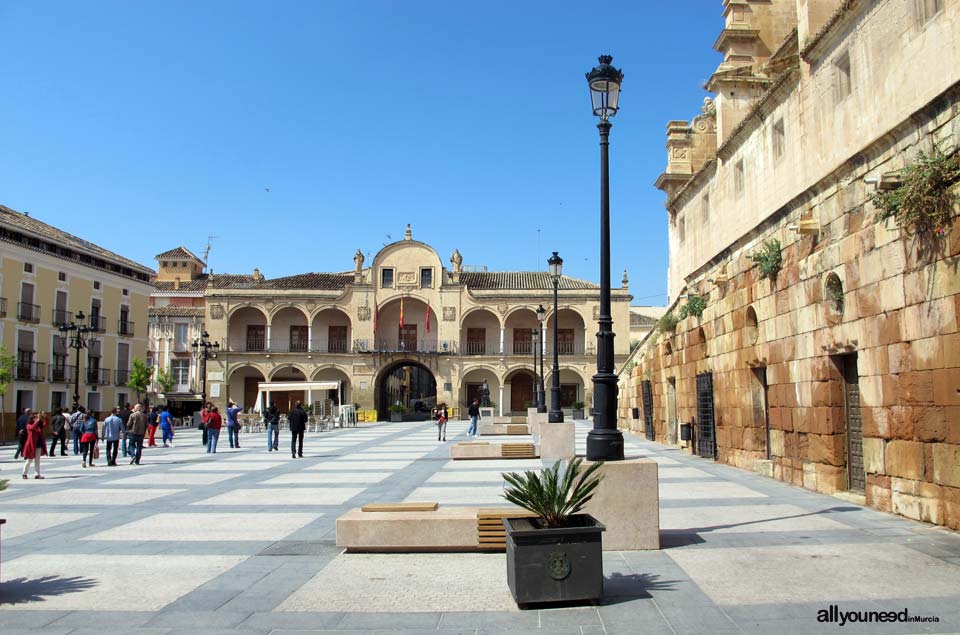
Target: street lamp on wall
x,y
542,398
204,350
605,441
556,270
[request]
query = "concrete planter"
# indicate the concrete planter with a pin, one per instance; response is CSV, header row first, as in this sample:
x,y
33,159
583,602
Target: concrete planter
x,y
577,414
554,565
396,416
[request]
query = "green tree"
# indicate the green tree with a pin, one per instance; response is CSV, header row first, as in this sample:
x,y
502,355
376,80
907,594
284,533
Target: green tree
x,y
165,379
139,378
7,362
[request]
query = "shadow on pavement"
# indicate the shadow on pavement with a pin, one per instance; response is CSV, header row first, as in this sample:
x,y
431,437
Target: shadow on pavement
x,y
619,588
20,590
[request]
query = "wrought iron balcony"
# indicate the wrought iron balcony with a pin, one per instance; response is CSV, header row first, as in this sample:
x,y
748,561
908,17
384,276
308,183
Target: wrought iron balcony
x,y
61,317
98,376
30,371
121,377
125,328
476,347
98,323
411,345
27,312
62,374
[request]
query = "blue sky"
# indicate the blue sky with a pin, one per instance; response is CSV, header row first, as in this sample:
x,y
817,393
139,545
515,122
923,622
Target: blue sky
x,y
145,125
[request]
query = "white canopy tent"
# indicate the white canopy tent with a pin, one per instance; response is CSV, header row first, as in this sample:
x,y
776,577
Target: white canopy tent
x,y
306,386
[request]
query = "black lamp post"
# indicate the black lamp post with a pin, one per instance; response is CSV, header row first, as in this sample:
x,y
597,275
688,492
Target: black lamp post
x,y
534,336
605,441
73,337
542,398
556,269
202,348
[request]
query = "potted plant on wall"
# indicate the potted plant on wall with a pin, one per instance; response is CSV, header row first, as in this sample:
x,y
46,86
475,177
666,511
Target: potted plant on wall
x,y
396,412
556,555
578,409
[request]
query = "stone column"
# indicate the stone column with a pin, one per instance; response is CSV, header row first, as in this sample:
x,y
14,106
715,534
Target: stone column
x,y
501,348
501,393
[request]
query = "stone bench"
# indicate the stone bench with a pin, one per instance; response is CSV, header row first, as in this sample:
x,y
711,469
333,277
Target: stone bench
x,y
478,450
445,529
494,429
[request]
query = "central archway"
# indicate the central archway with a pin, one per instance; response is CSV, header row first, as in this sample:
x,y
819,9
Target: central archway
x,y
409,383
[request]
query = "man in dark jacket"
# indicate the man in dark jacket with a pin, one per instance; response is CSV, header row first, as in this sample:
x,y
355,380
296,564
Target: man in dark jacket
x,y
298,425
272,418
22,421
58,427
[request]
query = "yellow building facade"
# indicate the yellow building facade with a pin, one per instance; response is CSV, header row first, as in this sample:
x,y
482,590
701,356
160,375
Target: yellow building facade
x,y
403,330
47,276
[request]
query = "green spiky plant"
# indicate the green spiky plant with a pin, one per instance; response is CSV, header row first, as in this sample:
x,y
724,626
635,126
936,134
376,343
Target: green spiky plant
x,y
553,496
925,202
768,257
667,323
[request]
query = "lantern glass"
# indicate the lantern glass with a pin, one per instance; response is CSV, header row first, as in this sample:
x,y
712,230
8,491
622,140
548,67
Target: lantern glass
x,y
556,266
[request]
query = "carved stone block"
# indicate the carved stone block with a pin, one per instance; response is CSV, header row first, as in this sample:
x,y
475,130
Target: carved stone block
x,y
216,311
363,313
449,314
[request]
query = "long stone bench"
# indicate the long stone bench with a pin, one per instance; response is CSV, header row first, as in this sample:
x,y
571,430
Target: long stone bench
x,y
444,529
493,429
478,450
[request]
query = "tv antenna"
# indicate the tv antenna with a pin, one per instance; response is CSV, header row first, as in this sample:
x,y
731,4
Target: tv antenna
x,y
206,251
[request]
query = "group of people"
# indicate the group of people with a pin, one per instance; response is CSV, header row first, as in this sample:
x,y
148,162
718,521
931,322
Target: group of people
x,y
211,423
123,428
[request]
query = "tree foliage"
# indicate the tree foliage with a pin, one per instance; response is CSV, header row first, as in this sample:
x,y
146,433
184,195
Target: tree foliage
x,y
139,378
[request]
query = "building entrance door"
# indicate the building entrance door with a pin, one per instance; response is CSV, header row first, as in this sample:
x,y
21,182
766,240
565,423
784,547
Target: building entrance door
x,y
646,390
856,475
706,428
672,411
521,392
761,409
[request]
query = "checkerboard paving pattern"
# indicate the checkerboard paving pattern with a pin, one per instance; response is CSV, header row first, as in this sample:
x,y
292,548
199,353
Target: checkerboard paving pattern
x,y
243,541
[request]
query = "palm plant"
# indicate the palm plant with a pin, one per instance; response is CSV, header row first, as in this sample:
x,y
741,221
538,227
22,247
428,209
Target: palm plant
x,y
552,496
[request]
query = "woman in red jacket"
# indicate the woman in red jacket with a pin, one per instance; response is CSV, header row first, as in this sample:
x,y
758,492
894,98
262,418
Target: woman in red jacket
x,y
34,446
214,422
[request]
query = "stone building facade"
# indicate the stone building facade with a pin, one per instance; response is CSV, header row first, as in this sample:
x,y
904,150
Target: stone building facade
x,y
401,328
841,371
47,277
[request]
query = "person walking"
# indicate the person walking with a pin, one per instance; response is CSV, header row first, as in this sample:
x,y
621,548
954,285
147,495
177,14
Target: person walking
x,y
112,431
214,423
88,439
22,421
474,412
298,425
233,424
153,420
204,417
136,429
442,422
272,417
166,426
125,417
34,445
58,427
76,422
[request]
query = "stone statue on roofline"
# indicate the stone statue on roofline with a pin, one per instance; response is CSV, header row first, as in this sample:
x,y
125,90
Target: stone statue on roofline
x,y
456,260
358,260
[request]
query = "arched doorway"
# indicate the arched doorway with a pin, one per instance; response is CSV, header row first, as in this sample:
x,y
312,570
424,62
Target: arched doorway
x,y
410,384
285,399
520,384
243,383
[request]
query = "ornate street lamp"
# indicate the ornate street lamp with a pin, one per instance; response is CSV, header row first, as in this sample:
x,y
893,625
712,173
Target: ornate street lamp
x,y
556,269
73,336
534,336
202,348
542,397
605,441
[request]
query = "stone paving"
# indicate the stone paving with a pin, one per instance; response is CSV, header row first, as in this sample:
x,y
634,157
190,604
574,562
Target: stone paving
x,y
243,542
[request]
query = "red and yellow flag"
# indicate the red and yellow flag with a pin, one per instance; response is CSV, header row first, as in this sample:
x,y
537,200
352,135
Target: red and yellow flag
x,y
401,311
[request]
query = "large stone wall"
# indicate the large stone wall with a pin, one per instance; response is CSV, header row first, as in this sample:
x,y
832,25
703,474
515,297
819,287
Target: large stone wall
x,y
900,317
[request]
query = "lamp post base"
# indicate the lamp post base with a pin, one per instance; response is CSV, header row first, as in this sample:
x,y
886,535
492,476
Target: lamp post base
x,y
555,416
604,445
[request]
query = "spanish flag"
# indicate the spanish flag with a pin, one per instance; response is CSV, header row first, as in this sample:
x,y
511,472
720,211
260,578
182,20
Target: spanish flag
x,y
401,311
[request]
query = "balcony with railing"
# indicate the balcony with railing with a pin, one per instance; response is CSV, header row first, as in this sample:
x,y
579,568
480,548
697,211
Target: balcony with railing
x,y
30,371
98,376
125,328
477,347
121,377
98,323
62,317
407,345
27,312
62,374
